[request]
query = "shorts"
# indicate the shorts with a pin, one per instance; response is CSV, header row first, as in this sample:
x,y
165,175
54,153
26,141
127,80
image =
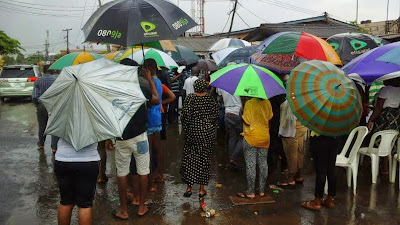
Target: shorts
x,y
153,130
139,147
77,182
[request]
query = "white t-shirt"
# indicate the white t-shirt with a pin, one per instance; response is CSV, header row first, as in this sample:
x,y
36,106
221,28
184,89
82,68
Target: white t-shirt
x,y
67,153
188,86
391,95
232,104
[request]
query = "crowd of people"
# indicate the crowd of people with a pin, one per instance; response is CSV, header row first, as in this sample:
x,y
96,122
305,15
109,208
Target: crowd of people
x,y
263,131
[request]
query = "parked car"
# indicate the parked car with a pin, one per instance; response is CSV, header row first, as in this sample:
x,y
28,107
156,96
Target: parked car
x,y
18,80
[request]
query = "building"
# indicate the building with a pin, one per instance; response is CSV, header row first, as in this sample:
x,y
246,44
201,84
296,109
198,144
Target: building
x,y
389,30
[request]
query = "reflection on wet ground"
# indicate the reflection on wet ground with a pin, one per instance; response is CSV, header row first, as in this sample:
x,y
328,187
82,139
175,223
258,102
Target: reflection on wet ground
x,y
29,193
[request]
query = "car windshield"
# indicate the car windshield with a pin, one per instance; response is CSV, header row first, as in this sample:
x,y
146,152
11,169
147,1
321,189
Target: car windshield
x,y
17,73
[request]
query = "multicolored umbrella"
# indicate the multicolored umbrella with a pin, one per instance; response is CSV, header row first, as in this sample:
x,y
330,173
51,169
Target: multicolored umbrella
x,y
279,63
221,54
351,45
125,53
74,58
184,55
248,80
228,42
162,58
302,44
207,65
323,98
111,55
241,55
379,64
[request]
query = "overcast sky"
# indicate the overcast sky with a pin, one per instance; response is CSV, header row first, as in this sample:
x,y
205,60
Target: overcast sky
x,y
28,20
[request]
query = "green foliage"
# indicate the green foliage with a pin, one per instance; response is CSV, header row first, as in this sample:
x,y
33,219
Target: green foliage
x,y
34,58
9,45
20,58
8,60
362,30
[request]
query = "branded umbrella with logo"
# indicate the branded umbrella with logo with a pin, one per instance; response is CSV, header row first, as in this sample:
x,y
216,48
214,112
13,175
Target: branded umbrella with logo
x,y
228,42
92,102
379,64
74,58
248,80
241,55
351,45
131,22
323,98
162,58
184,55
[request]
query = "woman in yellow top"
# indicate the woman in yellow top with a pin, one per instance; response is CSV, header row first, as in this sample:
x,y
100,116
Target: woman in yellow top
x,y
256,116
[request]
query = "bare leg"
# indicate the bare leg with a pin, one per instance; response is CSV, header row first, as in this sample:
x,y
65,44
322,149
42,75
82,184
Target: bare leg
x,y
64,214
136,188
101,148
202,190
85,216
152,186
159,156
143,181
122,186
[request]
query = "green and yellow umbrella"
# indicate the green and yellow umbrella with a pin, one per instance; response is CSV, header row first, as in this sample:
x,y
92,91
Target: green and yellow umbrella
x,y
323,98
111,55
74,59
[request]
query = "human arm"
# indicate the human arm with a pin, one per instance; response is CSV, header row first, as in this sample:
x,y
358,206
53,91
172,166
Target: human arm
x,y
35,93
176,77
109,145
169,93
377,112
155,99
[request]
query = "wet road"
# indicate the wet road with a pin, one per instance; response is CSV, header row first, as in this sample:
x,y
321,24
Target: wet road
x,y
29,192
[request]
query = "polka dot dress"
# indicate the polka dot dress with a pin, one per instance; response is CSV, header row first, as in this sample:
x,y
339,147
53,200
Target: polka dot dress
x,y
199,118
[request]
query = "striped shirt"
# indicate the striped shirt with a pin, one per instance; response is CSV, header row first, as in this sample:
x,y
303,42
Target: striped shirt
x,y
373,90
175,85
41,85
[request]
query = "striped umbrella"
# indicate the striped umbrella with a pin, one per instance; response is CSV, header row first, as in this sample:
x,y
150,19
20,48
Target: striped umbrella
x,y
162,58
111,55
74,59
248,80
323,98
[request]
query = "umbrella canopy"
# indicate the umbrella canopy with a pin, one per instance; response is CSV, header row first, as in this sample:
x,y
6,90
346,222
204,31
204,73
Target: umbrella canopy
x,y
280,63
302,44
350,45
248,80
207,64
223,53
184,55
74,58
130,22
92,102
323,98
228,42
379,64
241,55
126,53
162,58
111,55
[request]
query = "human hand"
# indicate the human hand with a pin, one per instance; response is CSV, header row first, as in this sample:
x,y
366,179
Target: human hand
x,y
147,73
370,125
109,145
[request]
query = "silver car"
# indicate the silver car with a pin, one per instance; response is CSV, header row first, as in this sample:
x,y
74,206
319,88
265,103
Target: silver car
x,y
18,80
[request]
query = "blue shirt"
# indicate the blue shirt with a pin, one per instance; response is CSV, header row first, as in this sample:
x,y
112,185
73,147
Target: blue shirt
x,y
41,85
154,112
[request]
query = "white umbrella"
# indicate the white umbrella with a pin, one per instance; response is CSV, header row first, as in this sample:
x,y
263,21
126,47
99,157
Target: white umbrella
x,y
92,102
228,42
162,58
223,53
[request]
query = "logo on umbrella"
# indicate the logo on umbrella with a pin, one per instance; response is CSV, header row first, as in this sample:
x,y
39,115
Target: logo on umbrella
x,y
149,29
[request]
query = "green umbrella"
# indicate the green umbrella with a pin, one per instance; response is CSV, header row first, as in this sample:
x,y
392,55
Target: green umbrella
x,y
184,55
74,59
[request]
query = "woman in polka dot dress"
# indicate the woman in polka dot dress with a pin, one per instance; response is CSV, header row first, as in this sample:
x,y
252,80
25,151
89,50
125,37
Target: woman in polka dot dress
x,y
199,119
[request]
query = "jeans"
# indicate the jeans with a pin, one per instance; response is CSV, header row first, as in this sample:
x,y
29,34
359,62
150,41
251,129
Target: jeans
x,y
234,126
254,156
42,117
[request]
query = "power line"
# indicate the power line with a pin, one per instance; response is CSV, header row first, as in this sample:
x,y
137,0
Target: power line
x,y
243,20
41,8
252,12
54,6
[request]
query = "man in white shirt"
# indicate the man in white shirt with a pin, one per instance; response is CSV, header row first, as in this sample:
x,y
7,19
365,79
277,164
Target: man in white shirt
x,y
233,124
188,86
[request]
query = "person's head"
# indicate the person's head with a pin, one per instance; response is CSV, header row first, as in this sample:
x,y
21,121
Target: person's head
x,y
46,69
195,71
129,62
151,65
200,86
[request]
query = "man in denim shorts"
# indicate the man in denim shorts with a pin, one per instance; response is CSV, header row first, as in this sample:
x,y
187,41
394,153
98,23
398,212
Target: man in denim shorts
x,y
134,141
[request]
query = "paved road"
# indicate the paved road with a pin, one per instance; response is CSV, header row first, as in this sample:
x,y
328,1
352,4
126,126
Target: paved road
x,y
29,193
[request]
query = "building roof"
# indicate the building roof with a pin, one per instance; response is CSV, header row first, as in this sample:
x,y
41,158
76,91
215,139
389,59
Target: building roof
x,y
197,44
321,30
236,32
324,18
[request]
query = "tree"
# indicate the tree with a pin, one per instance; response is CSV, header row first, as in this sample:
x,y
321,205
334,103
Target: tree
x,y
34,58
8,60
20,58
9,45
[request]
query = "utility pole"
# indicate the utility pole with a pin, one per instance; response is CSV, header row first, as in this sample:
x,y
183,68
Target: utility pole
x,y
387,11
67,30
233,17
46,45
357,13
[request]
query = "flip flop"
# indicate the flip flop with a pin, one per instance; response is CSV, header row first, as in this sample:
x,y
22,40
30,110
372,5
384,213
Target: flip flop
x,y
146,202
203,195
244,195
286,185
114,213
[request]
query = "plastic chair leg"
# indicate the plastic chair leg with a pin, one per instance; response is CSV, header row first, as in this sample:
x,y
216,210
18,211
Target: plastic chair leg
x,y
374,168
355,173
326,187
390,164
392,177
348,176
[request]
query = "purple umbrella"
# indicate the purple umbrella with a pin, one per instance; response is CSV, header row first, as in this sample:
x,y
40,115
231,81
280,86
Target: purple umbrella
x,y
379,64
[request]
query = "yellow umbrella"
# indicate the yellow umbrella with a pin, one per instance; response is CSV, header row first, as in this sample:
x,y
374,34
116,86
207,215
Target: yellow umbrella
x,y
74,59
111,55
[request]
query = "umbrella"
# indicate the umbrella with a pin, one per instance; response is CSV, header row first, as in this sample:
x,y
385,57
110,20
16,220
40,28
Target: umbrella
x,y
228,42
379,64
74,59
92,102
184,55
126,53
302,44
323,98
350,45
280,63
221,54
111,55
241,55
162,58
207,65
248,80
130,22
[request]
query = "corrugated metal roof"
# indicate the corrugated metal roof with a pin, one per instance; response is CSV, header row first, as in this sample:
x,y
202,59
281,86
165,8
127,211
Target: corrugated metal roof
x,y
197,44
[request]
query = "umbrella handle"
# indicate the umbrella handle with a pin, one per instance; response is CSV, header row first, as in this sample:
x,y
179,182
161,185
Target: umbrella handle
x,y
75,77
338,86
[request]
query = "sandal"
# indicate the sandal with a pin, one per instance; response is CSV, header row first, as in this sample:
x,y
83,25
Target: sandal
x,y
203,195
286,185
245,195
310,205
187,194
261,194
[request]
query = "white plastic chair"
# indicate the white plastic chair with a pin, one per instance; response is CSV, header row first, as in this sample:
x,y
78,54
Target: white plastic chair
x,y
388,138
351,161
396,158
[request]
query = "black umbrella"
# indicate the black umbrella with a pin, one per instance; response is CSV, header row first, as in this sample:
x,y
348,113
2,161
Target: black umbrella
x,y
184,55
350,45
130,22
241,55
207,64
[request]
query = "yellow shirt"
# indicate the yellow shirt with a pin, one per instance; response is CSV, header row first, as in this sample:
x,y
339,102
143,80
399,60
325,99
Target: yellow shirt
x,y
256,116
